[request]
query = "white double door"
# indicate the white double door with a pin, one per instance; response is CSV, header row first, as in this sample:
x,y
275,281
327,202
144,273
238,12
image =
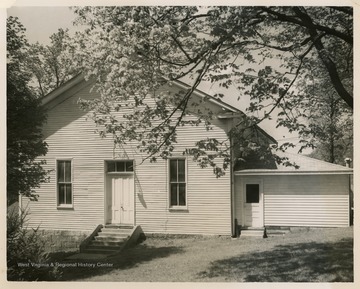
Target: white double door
x,y
120,199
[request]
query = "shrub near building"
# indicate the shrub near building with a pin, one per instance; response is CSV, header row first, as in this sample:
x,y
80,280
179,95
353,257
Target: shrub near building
x,y
27,259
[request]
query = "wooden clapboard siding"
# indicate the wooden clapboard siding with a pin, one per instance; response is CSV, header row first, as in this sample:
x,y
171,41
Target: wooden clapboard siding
x,y
238,199
303,200
307,200
70,136
208,198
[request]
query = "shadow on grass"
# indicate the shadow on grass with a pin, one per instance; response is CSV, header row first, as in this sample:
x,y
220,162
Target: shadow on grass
x,y
304,262
129,258
60,255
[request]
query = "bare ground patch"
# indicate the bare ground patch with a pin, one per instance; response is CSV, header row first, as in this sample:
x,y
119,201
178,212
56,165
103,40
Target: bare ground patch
x,y
304,255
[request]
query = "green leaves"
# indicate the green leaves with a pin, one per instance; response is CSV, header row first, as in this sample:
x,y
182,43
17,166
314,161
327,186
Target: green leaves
x,y
25,117
15,37
269,54
210,152
50,66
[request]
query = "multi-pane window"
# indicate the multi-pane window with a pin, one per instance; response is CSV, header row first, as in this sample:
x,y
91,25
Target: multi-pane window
x,y
120,166
252,193
177,182
64,183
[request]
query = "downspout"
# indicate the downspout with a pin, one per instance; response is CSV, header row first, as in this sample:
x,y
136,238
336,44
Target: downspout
x,y
351,195
232,185
351,200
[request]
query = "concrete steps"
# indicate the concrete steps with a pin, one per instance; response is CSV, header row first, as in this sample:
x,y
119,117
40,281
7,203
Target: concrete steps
x,y
263,232
252,232
107,240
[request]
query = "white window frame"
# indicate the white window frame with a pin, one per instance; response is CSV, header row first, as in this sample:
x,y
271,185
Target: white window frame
x,y
65,206
177,207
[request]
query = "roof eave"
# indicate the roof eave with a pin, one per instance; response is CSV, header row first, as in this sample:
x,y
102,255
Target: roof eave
x,y
239,113
80,77
208,96
60,90
278,172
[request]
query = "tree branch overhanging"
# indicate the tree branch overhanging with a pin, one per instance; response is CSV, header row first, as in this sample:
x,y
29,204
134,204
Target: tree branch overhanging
x,y
181,51
184,104
324,56
345,9
299,21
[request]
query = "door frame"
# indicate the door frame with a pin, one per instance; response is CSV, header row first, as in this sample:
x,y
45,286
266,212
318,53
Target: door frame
x,y
258,181
108,175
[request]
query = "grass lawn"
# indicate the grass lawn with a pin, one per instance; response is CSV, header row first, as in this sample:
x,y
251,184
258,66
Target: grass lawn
x,y
303,255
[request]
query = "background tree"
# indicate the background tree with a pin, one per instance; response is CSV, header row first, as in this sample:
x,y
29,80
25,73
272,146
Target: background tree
x,y
50,65
25,117
320,109
332,122
266,53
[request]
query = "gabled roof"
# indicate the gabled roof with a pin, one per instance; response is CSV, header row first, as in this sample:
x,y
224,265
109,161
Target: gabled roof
x,y
211,98
307,166
63,88
229,111
80,78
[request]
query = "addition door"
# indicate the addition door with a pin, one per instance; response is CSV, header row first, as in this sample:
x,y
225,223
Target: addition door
x,y
253,204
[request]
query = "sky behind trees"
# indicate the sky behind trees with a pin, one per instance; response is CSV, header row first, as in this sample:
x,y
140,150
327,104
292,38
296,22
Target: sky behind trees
x,y
41,22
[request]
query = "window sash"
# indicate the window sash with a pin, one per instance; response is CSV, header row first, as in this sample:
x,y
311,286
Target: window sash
x,y
125,166
177,180
252,193
64,182
65,194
